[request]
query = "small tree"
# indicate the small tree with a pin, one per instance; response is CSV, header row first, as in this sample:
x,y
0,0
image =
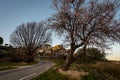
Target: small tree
x,y
1,40
30,37
86,22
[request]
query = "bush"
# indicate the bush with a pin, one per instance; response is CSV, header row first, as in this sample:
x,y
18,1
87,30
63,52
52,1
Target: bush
x,y
8,54
61,57
17,57
92,55
28,59
2,55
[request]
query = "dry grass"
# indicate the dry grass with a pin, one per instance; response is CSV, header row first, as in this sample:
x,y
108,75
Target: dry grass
x,y
109,71
99,70
88,71
74,75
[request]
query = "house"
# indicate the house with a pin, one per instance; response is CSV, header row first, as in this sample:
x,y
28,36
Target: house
x,y
44,51
58,51
53,52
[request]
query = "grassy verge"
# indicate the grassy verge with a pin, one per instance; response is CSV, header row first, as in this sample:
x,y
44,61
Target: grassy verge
x,y
58,63
17,63
7,68
96,71
89,77
53,74
13,65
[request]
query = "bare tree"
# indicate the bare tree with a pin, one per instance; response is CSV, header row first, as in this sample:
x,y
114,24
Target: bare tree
x,y
86,22
31,36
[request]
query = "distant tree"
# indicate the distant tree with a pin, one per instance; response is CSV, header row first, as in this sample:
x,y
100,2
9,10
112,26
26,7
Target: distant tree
x,y
30,37
86,22
1,40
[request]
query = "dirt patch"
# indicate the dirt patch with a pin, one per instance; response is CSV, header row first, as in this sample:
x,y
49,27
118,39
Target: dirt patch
x,y
75,75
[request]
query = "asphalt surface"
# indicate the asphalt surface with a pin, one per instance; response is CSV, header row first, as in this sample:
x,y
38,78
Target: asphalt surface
x,y
26,73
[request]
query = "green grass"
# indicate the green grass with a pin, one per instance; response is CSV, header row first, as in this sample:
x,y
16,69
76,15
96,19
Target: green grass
x,y
89,77
13,65
7,68
51,75
17,63
10,64
59,63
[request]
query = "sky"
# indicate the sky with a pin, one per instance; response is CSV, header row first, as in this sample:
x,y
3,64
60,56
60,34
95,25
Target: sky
x,y
15,12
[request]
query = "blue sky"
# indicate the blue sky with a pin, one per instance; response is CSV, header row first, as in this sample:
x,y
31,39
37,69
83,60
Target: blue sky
x,y
15,12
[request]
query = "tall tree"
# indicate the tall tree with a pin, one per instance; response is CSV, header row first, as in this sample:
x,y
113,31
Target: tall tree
x,y
86,22
1,40
30,36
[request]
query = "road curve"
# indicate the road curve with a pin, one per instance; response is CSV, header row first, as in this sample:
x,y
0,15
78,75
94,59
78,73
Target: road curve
x,y
27,72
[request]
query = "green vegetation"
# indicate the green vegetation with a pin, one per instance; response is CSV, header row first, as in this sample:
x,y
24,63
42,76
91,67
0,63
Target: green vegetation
x,y
10,58
51,75
13,65
59,63
10,54
96,71
89,77
7,68
91,55
16,63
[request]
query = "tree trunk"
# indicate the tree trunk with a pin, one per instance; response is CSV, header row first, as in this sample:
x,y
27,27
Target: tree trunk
x,y
69,58
84,50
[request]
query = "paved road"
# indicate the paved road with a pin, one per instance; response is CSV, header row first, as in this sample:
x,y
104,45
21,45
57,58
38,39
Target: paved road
x,y
27,72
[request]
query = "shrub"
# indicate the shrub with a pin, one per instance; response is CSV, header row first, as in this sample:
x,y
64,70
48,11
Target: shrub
x,y
17,57
92,55
28,59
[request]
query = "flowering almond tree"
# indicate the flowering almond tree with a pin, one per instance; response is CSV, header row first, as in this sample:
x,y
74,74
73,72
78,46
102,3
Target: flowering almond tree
x,y
86,22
